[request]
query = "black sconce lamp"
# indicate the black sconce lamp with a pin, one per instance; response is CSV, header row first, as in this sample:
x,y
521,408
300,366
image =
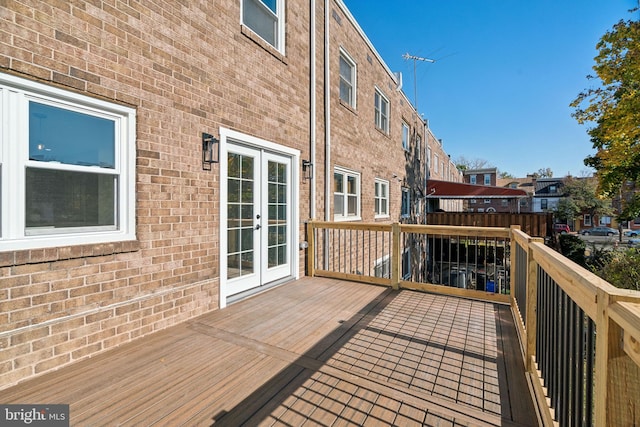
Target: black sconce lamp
x,y
210,151
307,169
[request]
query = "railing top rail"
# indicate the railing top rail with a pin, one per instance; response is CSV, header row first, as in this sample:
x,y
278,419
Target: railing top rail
x,y
351,225
579,283
452,230
456,230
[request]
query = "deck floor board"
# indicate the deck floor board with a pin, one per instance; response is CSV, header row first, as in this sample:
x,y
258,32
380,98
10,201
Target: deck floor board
x,y
310,352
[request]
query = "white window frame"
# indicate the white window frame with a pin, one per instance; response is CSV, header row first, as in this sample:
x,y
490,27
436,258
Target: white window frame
x,y
280,22
344,56
406,132
346,173
381,119
406,195
418,147
487,179
587,220
473,179
382,267
15,94
436,161
381,183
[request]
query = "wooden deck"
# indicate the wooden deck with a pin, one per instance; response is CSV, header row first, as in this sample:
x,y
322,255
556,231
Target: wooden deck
x,y
311,352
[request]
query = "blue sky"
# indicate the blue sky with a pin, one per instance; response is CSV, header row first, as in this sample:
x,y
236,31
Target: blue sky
x,y
505,72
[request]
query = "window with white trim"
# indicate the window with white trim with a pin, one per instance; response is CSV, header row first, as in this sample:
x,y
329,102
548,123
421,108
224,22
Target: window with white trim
x,y
418,147
436,160
487,179
544,204
266,19
605,220
382,267
347,79
346,194
405,209
381,111
587,220
381,198
405,136
67,166
472,179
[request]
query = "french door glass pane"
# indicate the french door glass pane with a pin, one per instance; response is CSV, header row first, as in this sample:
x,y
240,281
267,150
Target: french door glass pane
x,y
277,213
64,199
240,210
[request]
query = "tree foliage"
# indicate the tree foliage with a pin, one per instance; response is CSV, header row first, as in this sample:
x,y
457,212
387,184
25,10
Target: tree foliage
x,y
613,109
582,197
543,173
464,163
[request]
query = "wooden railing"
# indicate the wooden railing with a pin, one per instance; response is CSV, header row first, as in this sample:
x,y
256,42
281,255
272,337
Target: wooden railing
x,y
579,335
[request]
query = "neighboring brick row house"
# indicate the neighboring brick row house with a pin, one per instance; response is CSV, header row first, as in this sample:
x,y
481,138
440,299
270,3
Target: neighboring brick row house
x,y
115,224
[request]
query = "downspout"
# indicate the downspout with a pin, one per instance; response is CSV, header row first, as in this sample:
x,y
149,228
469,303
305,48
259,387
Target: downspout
x,y
312,109
327,132
327,117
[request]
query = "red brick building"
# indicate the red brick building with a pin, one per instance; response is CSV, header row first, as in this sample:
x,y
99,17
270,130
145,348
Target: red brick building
x,y
113,223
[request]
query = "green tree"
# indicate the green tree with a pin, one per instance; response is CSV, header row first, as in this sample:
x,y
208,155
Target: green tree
x,y
582,197
613,109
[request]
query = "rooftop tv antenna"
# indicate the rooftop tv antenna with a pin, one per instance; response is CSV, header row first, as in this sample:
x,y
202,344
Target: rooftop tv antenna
x,y
415,82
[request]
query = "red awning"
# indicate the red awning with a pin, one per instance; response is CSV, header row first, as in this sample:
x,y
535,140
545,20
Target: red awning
x,y
459,190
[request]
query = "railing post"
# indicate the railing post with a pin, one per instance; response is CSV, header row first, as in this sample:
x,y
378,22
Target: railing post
x,y
512,260
602,358
396,256
531,321
311,254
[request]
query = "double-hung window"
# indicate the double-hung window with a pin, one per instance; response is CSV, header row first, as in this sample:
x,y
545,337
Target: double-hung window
x,y
67,168
346,194
381,111
347,79
266,19
405,136
381,198
487,179
472,179
406,203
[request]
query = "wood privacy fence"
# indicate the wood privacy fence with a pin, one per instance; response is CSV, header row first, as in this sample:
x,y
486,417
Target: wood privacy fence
x,y
534,224
579,336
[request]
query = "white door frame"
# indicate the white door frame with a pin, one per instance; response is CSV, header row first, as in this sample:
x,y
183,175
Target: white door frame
x,y
228,137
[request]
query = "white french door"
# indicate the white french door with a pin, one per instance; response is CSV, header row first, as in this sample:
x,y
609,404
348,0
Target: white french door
x,y
259,218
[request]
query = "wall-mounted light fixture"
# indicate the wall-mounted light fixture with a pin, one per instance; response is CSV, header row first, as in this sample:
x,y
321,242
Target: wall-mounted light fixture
x,y
307,169
210,151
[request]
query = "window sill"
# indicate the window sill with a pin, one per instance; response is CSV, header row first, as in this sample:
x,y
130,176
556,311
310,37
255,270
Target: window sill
x,y
347,219
36,256
348,107
248,32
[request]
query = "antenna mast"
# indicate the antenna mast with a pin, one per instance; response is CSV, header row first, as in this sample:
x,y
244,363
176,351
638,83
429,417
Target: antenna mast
x,y
415,82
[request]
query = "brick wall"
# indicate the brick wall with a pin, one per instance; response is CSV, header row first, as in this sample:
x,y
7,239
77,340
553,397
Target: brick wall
x,y
187,68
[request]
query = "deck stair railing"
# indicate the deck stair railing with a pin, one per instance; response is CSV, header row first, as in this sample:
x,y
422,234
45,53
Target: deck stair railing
x,y
579,336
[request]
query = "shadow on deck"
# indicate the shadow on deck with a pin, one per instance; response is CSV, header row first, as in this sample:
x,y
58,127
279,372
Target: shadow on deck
x,y
311,352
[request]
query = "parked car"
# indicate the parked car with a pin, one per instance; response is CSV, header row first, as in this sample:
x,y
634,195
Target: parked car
x,y
561,228
634,242
631,233
599,231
